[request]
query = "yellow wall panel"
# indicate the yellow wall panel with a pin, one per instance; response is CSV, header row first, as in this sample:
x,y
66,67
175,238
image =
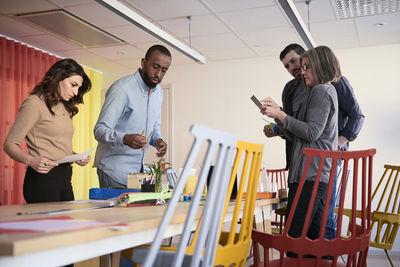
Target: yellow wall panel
x,y
84,178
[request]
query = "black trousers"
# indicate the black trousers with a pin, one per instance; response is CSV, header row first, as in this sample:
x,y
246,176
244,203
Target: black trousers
x,y
299,217
52,186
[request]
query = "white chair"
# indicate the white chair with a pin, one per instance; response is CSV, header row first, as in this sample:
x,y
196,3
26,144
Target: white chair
x,y
223,146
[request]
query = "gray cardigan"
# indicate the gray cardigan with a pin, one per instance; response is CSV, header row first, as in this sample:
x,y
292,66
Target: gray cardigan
x,y
315,126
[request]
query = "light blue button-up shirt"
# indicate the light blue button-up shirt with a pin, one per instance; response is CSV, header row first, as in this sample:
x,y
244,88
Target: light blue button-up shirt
x,y
128,109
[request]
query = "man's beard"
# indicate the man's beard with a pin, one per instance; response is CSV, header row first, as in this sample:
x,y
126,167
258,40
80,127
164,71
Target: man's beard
x,y
148,81
298,76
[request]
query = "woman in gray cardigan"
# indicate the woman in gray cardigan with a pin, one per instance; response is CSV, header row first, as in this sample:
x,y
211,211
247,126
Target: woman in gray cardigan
x,y
315,126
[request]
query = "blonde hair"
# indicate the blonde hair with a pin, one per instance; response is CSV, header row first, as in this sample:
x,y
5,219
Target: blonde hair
x,y
324,64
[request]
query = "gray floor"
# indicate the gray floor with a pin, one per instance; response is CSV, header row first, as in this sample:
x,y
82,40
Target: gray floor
x,y
382,261
372,261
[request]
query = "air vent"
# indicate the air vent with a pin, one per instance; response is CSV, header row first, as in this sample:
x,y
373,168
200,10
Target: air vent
x,y
71,27
359,8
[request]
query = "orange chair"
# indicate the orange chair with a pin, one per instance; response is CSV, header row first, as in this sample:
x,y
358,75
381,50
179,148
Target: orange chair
x,y
314,252
278,176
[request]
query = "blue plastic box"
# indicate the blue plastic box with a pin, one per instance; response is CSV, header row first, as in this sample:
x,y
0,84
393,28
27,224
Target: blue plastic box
x,y
106,193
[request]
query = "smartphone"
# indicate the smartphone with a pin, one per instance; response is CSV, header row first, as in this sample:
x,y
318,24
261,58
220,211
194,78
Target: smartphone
x,y
256,101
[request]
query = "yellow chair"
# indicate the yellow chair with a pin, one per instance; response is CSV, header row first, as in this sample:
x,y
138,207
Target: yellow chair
x,y
234,246
386,216
385,219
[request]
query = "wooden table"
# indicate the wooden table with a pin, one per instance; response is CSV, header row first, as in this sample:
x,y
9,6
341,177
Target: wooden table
x,y
61,248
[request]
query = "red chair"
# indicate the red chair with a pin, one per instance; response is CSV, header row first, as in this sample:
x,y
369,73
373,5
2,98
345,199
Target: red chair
x,y
278,176
354,243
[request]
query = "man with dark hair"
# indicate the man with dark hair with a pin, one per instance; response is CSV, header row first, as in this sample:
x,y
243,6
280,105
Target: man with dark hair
x,y
130,118
294,96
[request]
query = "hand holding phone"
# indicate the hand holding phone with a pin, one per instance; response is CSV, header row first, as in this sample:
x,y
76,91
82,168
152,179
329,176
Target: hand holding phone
x,y
256,101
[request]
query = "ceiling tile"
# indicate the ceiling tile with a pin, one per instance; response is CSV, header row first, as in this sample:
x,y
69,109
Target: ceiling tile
x,y
81,54
230,5
270,51
199,25
235,53
118,52
320,11
335,34
131,34
373,34
253,19
270,36
217,42
104,65
97,15
161,9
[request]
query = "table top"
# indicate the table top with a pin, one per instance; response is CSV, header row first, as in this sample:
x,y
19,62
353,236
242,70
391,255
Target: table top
x,y
137,219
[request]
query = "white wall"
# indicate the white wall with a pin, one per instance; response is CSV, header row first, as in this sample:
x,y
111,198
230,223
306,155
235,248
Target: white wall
x,y
218,95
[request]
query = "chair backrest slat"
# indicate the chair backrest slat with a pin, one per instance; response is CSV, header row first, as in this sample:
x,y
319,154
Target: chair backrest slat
x,y
224,144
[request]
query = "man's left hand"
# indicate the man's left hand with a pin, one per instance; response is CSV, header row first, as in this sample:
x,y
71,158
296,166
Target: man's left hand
x,y
161,147
342,141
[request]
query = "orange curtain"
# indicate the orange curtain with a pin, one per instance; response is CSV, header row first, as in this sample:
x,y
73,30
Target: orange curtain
x,y
21,68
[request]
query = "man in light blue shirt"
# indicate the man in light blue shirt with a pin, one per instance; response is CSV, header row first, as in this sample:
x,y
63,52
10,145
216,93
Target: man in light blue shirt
x,y
130,120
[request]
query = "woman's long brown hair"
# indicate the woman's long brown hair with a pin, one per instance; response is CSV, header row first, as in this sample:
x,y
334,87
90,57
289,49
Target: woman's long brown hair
x,y
48,88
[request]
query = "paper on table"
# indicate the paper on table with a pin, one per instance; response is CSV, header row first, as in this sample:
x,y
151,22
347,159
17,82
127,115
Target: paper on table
x,y
52,224
75,157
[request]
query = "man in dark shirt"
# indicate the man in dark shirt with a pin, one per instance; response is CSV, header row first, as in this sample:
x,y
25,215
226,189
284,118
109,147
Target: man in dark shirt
x,y
294,95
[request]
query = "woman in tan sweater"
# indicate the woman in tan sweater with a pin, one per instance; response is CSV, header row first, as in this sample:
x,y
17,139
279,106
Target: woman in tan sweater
x,y
44,120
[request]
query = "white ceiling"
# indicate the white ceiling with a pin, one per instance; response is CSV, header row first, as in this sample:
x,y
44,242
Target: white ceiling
x,y
220,29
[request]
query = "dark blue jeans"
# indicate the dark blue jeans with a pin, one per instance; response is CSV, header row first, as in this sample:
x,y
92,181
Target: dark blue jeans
x,y
331,224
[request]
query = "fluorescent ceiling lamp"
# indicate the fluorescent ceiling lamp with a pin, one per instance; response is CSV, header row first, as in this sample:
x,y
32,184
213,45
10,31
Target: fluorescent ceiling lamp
x,y
71,27
133,17
293,15
357,8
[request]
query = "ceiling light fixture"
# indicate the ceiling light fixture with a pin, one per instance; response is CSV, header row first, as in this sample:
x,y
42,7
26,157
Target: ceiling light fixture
x,y
71,27
347,9
136,19
293,15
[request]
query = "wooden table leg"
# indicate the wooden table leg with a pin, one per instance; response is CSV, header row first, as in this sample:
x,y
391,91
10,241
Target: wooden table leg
x,y
110,260
258,222
266,213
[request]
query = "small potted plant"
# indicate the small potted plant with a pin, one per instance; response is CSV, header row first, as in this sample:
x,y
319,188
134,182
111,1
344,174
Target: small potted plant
x,y
157,169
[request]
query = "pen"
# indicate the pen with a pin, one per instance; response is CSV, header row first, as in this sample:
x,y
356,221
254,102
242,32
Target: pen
x,y
142,132
266,120
63,210
148,138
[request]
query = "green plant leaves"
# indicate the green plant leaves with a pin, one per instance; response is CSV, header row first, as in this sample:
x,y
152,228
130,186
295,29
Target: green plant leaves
x,y
158,168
